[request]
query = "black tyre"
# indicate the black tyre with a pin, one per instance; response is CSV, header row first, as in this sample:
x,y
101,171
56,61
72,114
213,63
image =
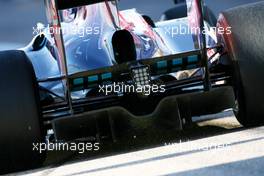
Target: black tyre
x,y
246,49
180,11
19,113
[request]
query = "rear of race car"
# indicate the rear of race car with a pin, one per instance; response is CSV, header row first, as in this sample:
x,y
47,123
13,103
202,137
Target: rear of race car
x,y
97,72
143,75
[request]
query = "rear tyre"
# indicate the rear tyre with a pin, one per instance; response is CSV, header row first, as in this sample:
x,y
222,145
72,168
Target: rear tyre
x,y
19,113
245,47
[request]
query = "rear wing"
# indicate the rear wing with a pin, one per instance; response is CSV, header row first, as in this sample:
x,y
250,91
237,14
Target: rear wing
x,y
194,59
66,4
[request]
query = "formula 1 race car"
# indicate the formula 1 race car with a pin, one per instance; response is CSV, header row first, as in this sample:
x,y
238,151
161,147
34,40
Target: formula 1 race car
x,y
95,71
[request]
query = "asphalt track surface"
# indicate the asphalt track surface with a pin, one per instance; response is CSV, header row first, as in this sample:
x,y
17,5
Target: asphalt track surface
x,y
214,147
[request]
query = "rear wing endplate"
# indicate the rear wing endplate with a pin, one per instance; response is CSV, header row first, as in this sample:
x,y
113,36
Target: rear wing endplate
x,y
196,23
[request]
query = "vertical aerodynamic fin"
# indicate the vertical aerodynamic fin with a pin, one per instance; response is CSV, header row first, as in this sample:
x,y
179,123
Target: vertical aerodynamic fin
x,y
55,24
196,24
196,21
